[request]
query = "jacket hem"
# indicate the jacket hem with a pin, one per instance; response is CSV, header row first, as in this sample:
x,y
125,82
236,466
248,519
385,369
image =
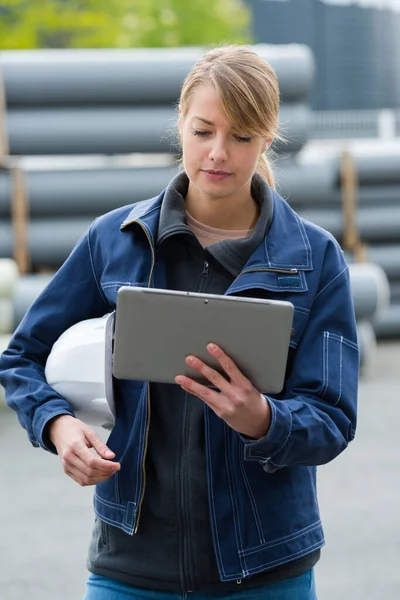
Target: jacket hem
x,y
309,561
123,516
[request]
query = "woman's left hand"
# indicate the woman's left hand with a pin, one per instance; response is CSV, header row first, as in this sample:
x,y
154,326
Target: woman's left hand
x,y
238,403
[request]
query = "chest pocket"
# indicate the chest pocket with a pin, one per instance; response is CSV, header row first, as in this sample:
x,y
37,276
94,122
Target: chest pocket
x,y
110,289
273,285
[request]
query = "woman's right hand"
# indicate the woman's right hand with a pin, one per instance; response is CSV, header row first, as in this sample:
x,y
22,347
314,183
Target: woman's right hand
x,y
73,440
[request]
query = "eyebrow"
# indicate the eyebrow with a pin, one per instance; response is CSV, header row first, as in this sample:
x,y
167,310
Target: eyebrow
x,y
204,120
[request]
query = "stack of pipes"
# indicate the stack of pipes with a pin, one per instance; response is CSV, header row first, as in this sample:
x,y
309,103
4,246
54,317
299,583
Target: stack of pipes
x,y
106,102
371,297
123,103
8,277
117,102
313,187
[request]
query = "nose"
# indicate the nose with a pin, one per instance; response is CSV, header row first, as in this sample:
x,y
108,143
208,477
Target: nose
x,y
218,151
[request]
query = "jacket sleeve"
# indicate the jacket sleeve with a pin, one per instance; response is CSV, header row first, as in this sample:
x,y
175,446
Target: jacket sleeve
x,y
315,418
72,296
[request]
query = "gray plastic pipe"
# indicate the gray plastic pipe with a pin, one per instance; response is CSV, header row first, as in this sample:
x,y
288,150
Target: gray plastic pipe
x,y
49,241
380,166
137,76
395,292
304,196
387,325
386,256
6,315
85,191
370,290
9,275
367,346
119,130
374,223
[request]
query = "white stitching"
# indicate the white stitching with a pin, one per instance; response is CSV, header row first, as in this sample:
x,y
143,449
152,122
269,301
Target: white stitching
x,y
305,240
328,284
142,436
251,495
340,369
325,363
109,503
266,251
282,540
269,461
117,523
325,383
236,523
112,284
344,340
288,556
270,288
212,504
288,436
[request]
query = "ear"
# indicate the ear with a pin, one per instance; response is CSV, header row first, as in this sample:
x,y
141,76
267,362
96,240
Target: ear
x,y
267,143
180,120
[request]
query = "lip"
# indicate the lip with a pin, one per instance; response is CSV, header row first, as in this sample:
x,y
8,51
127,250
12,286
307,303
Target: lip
x,y
216,175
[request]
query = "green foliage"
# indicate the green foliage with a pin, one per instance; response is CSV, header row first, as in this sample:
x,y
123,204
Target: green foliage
x,y
121,23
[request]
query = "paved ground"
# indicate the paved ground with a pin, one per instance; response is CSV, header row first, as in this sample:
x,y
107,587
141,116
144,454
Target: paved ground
x,y
45,519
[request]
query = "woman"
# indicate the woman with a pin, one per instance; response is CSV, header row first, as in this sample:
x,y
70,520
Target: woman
x,y
216,492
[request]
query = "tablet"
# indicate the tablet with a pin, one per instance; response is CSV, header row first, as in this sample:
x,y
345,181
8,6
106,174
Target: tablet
x,y
156,329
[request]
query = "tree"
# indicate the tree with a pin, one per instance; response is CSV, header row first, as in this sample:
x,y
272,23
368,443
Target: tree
x,y
121,23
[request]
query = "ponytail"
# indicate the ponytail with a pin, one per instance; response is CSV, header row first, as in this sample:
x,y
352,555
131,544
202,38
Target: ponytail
x,y
264,169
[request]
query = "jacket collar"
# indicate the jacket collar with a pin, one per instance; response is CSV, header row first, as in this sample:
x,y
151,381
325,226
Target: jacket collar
x,y
285,247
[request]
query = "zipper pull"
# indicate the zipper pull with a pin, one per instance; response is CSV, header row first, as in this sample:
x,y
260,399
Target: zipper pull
x,y
206,269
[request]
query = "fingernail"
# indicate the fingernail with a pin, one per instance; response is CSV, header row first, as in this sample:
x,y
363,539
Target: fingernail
x,y
190,359
109,453
180,380
212,347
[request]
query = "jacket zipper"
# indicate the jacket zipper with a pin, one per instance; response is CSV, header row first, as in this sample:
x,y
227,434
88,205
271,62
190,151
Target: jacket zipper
x,y
204,275
153,260
186,574
186,579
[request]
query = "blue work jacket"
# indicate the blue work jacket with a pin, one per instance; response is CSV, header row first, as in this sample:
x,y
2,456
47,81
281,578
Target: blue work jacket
x,y
262,494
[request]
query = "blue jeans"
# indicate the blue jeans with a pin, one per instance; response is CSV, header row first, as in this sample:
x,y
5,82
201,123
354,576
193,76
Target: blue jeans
x,y
295,588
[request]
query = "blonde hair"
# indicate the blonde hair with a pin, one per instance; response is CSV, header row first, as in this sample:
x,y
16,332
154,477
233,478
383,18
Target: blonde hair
x,y
248,89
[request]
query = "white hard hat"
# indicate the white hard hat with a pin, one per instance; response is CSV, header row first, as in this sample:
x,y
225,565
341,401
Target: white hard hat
x,y
79,367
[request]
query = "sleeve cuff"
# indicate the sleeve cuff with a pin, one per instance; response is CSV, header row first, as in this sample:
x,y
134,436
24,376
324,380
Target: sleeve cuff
x,y
276,437
43,415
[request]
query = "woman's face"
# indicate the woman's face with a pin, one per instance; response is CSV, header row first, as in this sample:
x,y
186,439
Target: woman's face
x,y
219,160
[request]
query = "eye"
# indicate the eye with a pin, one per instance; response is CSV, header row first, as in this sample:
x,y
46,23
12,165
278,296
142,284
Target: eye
x,y
200,132
243,139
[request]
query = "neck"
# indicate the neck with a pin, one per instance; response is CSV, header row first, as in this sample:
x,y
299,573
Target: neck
x,y
235,213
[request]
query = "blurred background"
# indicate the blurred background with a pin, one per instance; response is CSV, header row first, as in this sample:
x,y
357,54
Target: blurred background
x,y
88,93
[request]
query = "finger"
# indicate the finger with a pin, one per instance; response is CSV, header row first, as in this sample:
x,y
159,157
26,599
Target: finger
x,y
215,400
218,380
96,467
97,443
80,453
228,365
83,479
